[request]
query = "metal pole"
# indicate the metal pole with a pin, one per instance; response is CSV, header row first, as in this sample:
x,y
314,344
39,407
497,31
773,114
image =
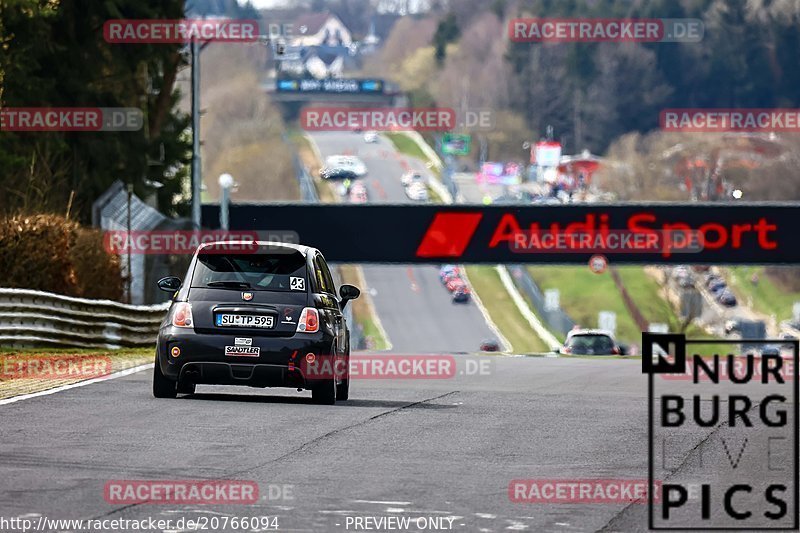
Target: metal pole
x,y
225,183
223,208
128,240
197,179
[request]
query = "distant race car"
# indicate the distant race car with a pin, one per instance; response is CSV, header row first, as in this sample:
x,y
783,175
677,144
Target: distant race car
x,y
772,350
447,271
449,277
370,137
336,173
358,193
717,285
261,316
411,177
461,295
347,162
417,191
455,283
490,345
726,298
590,342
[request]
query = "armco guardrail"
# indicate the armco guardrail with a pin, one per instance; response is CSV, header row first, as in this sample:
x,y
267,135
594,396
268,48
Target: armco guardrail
x,y
36,318
556,319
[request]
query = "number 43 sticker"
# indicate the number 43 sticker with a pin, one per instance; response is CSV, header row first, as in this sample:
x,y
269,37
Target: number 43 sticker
x,y
297,284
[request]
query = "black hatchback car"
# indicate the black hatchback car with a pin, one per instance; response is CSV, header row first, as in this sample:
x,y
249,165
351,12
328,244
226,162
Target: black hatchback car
x,y
257,314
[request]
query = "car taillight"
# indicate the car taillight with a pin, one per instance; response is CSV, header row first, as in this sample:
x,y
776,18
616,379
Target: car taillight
x,y
615,350
309,321
566,349
182,315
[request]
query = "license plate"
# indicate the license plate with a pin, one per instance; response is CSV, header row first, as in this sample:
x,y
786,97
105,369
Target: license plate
x,y
245,321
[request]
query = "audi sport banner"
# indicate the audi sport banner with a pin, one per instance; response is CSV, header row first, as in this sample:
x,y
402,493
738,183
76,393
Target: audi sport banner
x,y
763,233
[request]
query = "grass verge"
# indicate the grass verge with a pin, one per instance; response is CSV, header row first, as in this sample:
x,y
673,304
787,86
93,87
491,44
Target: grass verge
x,y
583,294
405,145
29,370
503,312
766,296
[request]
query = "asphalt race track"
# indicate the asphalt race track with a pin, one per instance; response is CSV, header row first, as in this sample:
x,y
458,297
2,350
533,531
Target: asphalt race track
x,y
413,306
415,448
445,448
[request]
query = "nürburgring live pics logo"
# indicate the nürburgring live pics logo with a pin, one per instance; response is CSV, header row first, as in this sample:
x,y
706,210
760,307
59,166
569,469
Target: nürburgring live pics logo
x,y
728,428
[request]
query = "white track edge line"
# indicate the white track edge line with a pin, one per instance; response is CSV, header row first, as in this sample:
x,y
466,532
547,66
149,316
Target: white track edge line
x,y
114,375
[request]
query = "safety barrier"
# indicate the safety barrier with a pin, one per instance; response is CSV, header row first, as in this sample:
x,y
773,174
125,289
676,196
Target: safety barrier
x,y
30,318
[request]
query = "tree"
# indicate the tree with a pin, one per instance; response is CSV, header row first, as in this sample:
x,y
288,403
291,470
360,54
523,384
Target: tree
x,y
56,56
446,32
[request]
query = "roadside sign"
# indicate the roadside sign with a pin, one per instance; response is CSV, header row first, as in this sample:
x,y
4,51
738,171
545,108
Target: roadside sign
x,y
551,300
607,320
546,154
658,327
456,144
598,263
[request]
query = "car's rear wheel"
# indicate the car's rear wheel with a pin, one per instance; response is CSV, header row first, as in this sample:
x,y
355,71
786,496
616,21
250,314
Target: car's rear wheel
x,y
343,388
162,386
324,393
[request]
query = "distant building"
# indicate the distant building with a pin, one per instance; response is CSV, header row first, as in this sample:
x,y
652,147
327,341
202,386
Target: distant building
x,y
369,44
320,29
319,63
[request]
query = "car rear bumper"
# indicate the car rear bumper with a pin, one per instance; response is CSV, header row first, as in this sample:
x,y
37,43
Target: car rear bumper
x,y
201,358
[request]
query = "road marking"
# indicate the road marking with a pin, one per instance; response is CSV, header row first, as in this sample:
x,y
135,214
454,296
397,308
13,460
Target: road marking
x,y
379,188
527,314
121,373
382,502
412,279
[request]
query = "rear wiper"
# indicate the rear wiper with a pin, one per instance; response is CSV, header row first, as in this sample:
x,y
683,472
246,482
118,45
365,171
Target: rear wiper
x,y
231,284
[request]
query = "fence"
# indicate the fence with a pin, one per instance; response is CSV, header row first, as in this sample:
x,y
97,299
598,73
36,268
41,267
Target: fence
x,y
35,318
308,192
556,319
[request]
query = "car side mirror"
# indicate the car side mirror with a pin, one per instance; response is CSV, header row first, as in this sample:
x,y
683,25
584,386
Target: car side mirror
x,y
169,284
348,292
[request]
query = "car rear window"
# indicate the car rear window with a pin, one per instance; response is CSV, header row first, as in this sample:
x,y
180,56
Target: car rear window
x,y
597,343
259,271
